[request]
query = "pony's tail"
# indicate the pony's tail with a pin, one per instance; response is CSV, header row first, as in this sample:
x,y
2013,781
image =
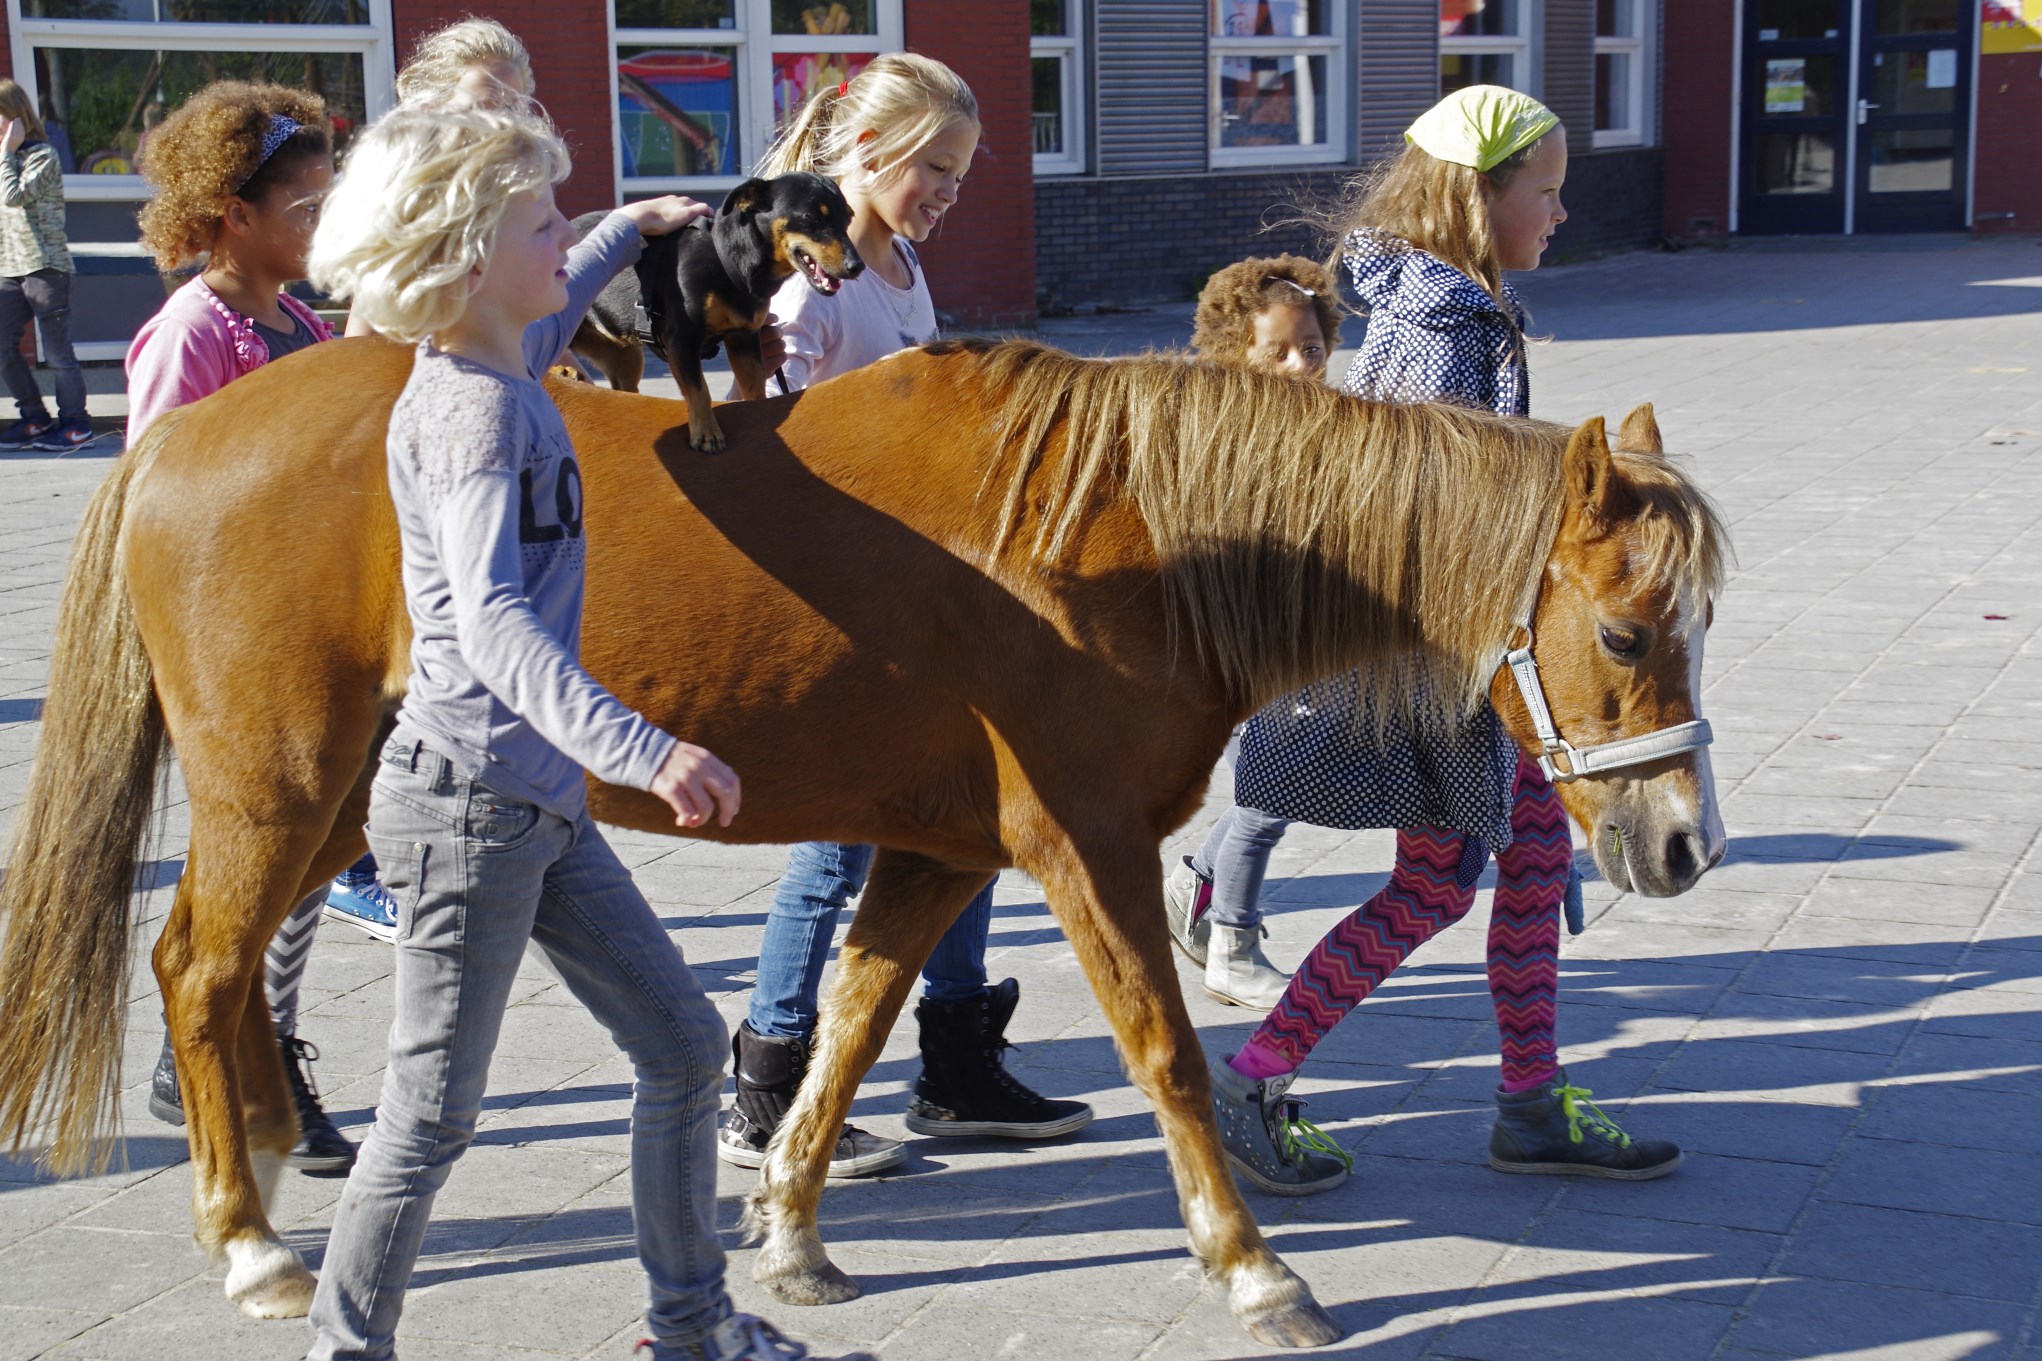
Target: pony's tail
x,y
67,899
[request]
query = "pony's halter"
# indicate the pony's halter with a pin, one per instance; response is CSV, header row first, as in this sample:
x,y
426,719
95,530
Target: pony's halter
x,y
1603,757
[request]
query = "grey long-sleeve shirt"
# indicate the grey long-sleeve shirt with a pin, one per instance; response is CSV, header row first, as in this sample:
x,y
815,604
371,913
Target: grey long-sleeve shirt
x,y
489,511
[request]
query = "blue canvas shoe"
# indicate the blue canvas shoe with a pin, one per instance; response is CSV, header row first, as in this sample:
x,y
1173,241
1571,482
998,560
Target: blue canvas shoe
x,y
361,900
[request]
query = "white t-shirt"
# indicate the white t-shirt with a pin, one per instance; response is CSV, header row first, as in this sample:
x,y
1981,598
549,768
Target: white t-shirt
x,y
866,319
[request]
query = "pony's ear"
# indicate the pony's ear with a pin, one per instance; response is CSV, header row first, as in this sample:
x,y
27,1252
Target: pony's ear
x,y
1591,475
1640,432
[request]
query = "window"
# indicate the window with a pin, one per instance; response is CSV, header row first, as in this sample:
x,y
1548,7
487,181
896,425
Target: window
x,y
1279,82
1054,46
1620,61
702,86
105,72
1485,42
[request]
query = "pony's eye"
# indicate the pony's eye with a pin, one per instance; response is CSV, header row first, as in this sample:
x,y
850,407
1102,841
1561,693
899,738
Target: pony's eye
x,y
1622,642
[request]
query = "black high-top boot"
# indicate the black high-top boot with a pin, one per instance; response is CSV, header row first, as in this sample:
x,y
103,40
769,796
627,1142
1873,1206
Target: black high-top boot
x,y
964,1089
1555,1129
321,1151
769,1070
166,1099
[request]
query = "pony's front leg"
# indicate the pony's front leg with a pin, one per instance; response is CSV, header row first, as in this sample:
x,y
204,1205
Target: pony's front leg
x,y
208,966
909,902
1110,904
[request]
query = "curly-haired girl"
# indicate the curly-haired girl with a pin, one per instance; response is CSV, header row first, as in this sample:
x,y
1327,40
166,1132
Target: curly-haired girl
x,y
1272,312
239,172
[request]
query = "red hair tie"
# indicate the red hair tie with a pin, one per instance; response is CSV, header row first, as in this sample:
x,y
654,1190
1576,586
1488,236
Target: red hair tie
x,y
843,88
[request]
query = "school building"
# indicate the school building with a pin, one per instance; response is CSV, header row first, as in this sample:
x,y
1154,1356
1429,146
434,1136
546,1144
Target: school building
x,y
1132,146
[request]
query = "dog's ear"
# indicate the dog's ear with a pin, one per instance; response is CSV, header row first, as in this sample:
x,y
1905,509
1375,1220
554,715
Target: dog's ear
x,y
747,201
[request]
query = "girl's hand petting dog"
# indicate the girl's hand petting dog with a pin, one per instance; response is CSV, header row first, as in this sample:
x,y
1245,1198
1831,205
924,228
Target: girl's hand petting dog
x,y
668,213
697,786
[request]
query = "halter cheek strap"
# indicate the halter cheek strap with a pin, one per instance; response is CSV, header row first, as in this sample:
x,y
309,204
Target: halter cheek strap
x,y
1602,757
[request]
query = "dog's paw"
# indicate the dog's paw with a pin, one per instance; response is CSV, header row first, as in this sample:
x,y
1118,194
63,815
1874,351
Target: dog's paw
x,y
707,438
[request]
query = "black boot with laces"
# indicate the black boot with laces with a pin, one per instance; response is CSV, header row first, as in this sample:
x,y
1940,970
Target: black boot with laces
x,y
321,1149
965,1090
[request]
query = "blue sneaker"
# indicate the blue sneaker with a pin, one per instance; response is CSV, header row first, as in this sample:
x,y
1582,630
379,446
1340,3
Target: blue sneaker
x,y
361,900
25,432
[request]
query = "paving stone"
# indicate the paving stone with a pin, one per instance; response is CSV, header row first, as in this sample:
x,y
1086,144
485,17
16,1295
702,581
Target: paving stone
x,y
1903,1175
1944,1253
1814,1318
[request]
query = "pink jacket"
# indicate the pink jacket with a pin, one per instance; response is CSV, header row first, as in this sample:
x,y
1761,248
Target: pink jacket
x,y
192,348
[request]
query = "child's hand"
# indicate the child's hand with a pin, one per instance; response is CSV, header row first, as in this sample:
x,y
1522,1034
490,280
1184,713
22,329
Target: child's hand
x,y
12,134
697,786
670,213
772,348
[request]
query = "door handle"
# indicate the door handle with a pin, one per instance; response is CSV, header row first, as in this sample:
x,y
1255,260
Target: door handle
x,y
1865,106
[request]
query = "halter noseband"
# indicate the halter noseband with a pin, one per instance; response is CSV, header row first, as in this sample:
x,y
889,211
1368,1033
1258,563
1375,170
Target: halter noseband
x,y
1603,757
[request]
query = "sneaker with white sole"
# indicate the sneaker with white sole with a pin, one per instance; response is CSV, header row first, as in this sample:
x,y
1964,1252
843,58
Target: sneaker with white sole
x,y
741,1337
361,900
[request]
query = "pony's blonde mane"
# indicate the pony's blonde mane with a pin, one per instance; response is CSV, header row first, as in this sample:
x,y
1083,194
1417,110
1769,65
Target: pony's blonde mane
x,y
1304,533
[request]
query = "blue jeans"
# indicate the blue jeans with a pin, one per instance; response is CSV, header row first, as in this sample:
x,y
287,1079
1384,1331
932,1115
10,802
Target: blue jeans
x,y
820,878
46,296
1235,857
476,875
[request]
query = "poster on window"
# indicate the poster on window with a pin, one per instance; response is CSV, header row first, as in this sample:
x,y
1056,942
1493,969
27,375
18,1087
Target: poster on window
x,y
2011,27
1786,85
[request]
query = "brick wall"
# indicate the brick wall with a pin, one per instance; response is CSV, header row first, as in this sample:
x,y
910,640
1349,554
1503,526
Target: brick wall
x,y
2009,143
980,259
1150,240
1613,202
570,49
1700,43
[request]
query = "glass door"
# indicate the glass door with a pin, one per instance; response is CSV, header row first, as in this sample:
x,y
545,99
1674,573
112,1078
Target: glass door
x,y
1913,113
1796,126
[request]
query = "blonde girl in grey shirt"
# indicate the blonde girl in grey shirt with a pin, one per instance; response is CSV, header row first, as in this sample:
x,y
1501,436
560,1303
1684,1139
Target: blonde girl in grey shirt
x,y
444,232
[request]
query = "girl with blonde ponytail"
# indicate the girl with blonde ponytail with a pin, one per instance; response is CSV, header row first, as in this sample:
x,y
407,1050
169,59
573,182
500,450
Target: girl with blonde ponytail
x,y
898,138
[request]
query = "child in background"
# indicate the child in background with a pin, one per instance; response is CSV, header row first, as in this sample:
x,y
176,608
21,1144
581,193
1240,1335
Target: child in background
x,y
35,280
474,61
1475,194
239,172
898,138
445,233
1277,313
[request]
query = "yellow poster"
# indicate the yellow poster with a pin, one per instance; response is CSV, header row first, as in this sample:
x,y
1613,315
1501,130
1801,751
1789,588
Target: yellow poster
x,y
2011,26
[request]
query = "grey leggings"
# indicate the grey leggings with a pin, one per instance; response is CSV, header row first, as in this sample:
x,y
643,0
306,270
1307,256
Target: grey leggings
x,y
1235,857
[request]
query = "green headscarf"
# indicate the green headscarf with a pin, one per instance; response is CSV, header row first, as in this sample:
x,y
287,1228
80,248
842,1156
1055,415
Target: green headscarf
x,y
1481,126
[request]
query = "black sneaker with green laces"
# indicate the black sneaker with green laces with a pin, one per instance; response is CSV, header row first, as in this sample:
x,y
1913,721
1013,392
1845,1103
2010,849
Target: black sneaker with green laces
x,y
1268,1140
1553,1129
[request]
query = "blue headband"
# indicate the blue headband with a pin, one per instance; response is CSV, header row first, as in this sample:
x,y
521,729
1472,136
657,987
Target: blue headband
x,y
281,129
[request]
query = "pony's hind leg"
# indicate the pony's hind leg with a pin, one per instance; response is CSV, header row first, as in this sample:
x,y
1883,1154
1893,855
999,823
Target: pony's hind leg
x,y
1110,906
909,902
241,879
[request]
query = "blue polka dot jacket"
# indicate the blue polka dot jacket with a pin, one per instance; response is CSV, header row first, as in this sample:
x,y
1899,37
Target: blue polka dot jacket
x,y
1434,334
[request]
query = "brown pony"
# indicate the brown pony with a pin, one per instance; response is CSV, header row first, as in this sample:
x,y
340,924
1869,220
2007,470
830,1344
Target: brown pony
x,y
982,606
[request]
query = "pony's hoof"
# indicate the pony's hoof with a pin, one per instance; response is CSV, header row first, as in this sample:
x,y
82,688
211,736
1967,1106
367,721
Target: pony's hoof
x,y
823,1284
1303,1324
267,1280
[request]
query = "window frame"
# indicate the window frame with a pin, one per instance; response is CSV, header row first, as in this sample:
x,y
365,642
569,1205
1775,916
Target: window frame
x,y
755,44
373,42
1068,49
1639,48
1335,46
1521,45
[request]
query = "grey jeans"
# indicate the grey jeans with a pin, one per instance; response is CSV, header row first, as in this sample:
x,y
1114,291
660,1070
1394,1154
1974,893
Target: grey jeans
x,y
476,875
1235,858
46,296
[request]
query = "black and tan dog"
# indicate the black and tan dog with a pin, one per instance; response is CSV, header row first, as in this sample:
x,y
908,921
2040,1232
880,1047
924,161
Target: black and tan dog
x,y
710,285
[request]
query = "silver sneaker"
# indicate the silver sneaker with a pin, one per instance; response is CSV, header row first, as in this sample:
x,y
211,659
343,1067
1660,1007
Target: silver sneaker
x,y
1268,1141
1187,900
859,1153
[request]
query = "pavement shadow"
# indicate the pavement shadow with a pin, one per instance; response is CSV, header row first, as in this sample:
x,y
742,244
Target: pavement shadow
x,y
20,710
